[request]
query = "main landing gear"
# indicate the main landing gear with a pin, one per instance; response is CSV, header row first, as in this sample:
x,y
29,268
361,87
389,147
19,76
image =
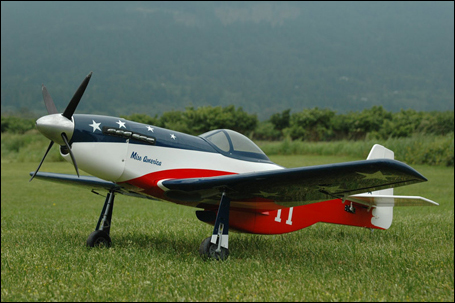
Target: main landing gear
x,y
216,246
100,237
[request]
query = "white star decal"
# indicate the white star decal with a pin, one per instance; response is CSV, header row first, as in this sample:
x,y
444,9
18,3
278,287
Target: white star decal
x,y
329,189
96,126
173,136
121,124
266,194
149,128
377,175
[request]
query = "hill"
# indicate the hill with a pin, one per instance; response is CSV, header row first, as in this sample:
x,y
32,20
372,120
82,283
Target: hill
x,y
153,57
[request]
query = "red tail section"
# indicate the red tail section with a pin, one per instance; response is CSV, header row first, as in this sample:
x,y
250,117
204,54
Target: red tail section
x,y
294,218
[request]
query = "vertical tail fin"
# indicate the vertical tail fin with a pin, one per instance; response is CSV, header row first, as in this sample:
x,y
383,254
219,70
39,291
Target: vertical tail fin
x,y
383,201
380,152
382,216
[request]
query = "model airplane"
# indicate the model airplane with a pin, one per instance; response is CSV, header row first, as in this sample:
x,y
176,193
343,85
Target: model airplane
x,y
223,173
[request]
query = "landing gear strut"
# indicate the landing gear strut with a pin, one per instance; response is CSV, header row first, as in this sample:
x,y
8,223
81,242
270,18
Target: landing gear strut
x,y
100,237
216,246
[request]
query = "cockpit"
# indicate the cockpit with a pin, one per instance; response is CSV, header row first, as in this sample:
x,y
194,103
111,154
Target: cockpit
x,y
235,145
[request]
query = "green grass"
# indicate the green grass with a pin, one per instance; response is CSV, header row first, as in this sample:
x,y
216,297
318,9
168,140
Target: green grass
x,y
28,147
155,256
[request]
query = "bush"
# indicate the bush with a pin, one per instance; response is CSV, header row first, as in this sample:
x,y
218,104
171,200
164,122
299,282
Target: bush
x,y
267,131
418,149
208,118
311,124
438,123
17,125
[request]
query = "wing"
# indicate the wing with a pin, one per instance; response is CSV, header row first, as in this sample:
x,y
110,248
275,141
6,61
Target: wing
x,y
297,186
90,182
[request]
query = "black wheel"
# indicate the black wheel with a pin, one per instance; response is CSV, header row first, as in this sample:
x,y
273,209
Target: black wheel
x,y
207,250
99,238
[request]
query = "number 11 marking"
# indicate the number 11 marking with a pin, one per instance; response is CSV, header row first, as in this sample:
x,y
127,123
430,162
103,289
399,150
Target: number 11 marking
x,y
289,220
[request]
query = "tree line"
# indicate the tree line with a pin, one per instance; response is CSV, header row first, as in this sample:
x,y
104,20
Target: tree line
x,y
375,123
313,124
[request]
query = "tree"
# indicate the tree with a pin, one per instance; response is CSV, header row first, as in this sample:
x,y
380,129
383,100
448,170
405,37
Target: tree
x,y
311,124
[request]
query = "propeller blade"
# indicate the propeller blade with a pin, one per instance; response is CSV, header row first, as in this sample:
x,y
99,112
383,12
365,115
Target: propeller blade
x,y
50,106
69,111
48,149
71,153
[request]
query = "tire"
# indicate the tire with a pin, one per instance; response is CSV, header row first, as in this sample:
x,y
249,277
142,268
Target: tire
x,y
207,250
99,238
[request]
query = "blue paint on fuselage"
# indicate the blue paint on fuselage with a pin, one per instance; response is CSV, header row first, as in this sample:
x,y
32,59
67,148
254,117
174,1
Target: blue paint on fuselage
x,y
94,128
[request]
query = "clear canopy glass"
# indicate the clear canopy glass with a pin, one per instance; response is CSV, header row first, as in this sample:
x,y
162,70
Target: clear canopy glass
x,y
234,144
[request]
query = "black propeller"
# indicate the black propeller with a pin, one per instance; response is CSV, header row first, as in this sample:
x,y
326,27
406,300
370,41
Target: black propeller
x,y
42,160
69,110
58,128
48,102
71,153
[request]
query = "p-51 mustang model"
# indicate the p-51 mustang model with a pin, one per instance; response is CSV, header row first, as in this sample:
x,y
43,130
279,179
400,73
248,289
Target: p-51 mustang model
x,y
221,172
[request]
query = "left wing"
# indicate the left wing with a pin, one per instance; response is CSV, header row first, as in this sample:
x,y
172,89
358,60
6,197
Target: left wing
x,y
90,182
297,186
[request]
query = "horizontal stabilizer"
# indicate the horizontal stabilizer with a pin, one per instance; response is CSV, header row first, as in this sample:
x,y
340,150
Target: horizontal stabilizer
x,y
390,200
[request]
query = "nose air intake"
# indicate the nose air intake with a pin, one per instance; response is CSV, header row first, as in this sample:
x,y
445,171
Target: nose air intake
x,y
57,127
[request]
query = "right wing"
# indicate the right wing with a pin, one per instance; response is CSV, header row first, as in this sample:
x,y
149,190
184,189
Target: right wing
x,y
296,186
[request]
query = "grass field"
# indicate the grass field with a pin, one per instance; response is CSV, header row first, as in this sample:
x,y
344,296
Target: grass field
x,y
155,257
